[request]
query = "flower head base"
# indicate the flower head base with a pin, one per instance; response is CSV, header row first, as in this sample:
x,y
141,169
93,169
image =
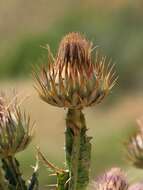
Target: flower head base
x,y
15,134
114,179
137,186
73,80
135,147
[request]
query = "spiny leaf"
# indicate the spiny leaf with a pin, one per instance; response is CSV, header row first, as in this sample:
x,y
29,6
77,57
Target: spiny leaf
x,y
61,174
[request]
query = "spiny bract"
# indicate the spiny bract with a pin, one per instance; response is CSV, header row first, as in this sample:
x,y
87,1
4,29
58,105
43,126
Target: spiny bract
x,y
137,186
15,130
114,179
134,147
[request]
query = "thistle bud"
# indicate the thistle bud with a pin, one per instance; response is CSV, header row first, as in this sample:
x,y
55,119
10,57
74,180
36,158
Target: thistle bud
x,y
137,186
75,55
114,179
134,147
15,133
72,79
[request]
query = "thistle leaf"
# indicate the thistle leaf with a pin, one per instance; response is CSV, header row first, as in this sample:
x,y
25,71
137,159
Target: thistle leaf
x,y
62,175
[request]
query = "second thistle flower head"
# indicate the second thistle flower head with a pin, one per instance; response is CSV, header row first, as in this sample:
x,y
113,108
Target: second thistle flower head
x,y
15,132
114,179
73,79
135,147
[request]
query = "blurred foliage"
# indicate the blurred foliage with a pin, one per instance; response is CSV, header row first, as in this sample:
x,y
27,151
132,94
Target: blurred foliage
x,y
118,32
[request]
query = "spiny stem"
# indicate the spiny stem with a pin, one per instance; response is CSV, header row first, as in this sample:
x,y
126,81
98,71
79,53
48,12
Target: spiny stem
x,y
13,174
75,162
78,150
3,182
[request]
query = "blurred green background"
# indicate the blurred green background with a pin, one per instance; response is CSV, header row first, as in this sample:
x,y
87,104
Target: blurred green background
x,y
117,28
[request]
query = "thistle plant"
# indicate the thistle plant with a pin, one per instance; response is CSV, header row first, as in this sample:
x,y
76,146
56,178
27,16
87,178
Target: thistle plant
x,y
15,136
114,179
74,80
134,147
137,186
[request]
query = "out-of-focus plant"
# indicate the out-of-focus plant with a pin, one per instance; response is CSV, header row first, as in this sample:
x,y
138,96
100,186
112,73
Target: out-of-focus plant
x,y
137,186
135,147
114,179
15,136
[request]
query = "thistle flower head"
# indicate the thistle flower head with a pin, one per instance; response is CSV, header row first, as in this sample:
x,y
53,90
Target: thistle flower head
x,y
15,133
137,186
114,179
134,147
73,79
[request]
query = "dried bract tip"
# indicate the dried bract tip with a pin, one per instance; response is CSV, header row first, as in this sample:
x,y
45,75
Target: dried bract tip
x,y
134,147
75,52
73,79
15,132
114,179
137,186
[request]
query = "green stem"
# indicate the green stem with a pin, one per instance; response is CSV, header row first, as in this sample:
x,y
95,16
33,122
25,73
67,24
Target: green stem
x,y
3,182
62,179
78,150
75,161
13,174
